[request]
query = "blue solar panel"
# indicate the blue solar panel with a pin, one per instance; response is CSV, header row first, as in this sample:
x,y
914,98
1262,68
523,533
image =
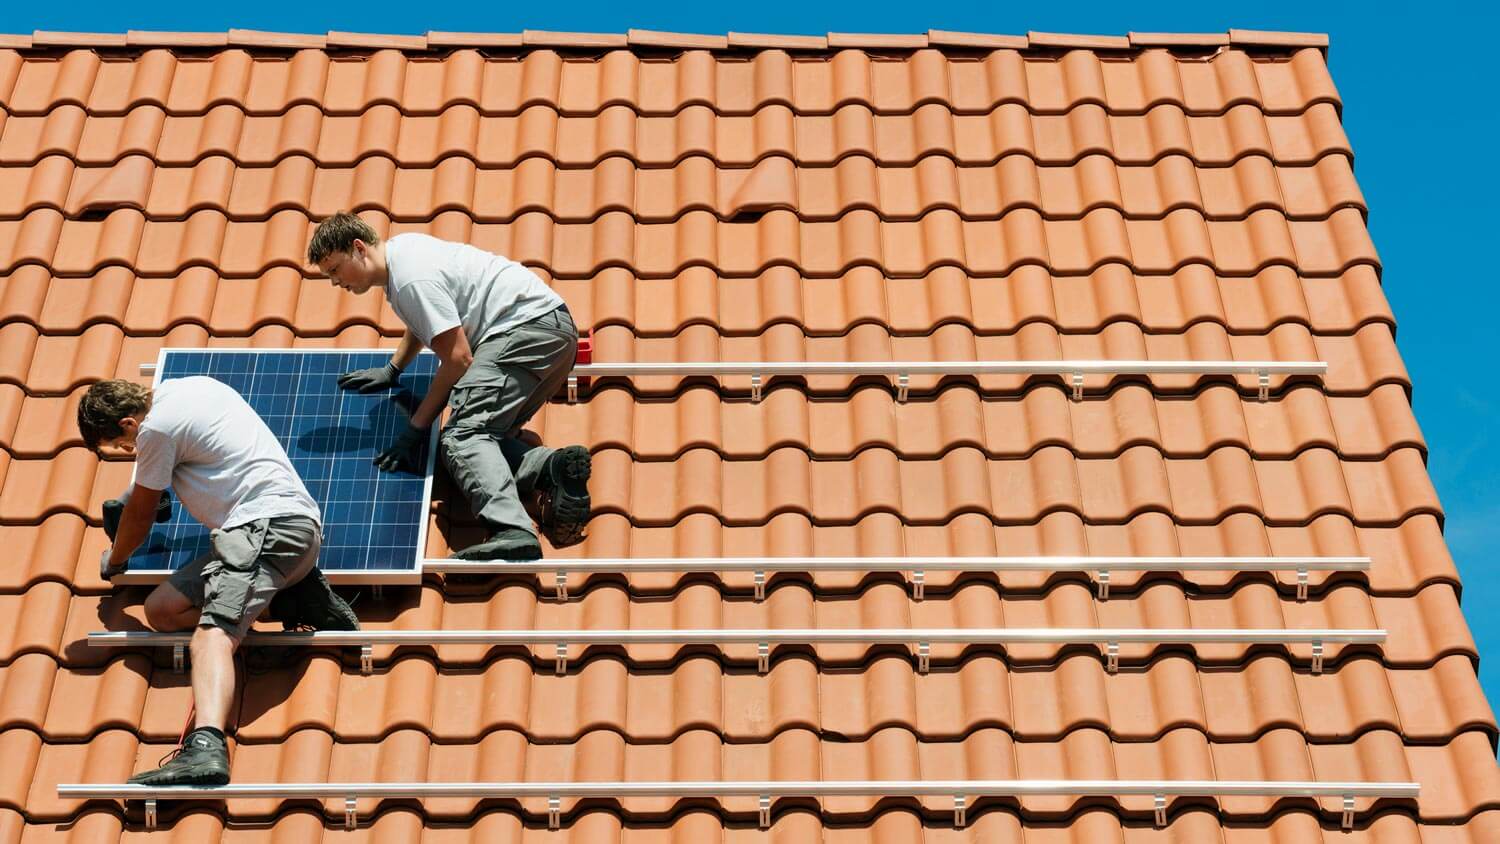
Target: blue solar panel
x,y
373,521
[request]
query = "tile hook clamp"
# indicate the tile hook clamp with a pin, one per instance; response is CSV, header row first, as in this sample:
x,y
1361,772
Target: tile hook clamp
x,y
1104,584
960,811
572,389
562,659
366,659
1112,657
179,658
903,386
151,814
1161,810
562,585
1348,820
1302,583
918,584
765,811
760,584
763,656
351,820
1077,386
1263,377
554,811
755,387
1317,660
924,657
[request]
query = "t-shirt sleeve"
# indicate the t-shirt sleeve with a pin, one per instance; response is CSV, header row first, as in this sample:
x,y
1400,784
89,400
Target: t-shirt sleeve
x,y
155,458
427,308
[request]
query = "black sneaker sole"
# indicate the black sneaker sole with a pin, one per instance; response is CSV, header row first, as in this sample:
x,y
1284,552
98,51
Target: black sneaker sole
x,y
569,470
510,551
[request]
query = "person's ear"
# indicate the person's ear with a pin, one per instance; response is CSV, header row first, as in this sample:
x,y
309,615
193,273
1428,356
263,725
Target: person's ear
x,y
129,425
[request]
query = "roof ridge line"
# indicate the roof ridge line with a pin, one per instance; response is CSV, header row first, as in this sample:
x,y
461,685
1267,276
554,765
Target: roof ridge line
x,y
652,39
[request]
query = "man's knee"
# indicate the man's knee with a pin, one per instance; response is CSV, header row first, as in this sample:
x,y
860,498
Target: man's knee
x,y
211,638
167,609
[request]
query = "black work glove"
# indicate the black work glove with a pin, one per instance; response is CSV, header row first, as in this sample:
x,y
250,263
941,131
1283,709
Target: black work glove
x,y
404,453
371,380
115,508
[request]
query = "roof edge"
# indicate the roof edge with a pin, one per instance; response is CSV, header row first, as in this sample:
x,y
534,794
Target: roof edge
x,y
657,40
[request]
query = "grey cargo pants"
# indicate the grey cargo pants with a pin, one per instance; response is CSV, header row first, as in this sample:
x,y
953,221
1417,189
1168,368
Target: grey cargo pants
x,y
512,376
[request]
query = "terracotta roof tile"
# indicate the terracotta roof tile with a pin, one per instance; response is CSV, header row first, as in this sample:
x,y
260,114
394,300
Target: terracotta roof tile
x,y
474,39
778,42
1015,197
676,40
369,41
540,37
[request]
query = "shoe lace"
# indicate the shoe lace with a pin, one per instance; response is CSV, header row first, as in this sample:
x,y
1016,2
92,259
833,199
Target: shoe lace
x,y
171,754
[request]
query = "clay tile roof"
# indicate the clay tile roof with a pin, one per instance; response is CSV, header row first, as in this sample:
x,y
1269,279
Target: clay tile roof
x,y
140,38
938,37
377,42
473,39
542,38
676,40
1178,39
1087,42
284,40
947,196
778,42
43,38
868,41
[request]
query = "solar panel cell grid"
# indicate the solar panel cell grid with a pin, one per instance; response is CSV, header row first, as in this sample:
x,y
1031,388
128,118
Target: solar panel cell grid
x,y
372,521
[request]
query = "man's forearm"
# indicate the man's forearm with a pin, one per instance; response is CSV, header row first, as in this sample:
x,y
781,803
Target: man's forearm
x,y
437,395
135,524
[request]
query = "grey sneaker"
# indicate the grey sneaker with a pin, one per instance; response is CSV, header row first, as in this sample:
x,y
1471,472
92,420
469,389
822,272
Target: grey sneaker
x,y
508,544
203,759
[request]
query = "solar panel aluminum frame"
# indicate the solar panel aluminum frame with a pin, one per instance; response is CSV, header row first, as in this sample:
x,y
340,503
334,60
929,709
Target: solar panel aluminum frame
x,y
412,575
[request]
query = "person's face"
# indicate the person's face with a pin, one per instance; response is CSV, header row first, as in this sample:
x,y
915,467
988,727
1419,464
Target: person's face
x,y
354,271
130,428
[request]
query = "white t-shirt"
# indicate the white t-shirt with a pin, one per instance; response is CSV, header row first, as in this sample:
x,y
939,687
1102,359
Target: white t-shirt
x,y
435,285
202,439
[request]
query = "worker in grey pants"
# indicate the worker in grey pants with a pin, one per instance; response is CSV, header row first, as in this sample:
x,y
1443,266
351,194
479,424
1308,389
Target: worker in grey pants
x,y
505,342
511,377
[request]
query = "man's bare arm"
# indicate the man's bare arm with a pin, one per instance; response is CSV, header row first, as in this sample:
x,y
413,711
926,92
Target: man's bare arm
x,y
135,523
407,350
452,349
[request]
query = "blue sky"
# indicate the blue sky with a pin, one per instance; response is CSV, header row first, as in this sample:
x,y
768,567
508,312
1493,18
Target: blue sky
x,y
1418,84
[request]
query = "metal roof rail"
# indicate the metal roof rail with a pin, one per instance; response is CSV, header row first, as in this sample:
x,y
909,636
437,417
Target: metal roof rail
x,y
959,790
921,638
1101,566
901,371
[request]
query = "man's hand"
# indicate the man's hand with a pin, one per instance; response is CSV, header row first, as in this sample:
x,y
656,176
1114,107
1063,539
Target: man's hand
x,y
108,572
371,380
403,454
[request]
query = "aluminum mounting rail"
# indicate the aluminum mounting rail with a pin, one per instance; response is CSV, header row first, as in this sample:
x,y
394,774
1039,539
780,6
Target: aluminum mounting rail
x,y
764,790
763,638
901,371
1101,566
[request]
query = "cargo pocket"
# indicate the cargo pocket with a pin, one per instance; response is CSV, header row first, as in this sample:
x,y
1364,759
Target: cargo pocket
x,y
231,588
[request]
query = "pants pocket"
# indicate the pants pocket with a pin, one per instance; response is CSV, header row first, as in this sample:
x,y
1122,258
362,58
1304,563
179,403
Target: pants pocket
x,y
231,585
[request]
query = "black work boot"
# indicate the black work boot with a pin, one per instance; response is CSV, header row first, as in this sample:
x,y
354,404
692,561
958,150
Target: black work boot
x,y
311,604
564,488
506,544
203,759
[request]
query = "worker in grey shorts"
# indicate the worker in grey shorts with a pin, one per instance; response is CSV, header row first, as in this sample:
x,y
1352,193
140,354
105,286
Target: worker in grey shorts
x,y
505,342
200,437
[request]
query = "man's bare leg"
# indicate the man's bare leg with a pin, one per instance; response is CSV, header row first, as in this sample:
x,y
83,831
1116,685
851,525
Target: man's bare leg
x,y
213,676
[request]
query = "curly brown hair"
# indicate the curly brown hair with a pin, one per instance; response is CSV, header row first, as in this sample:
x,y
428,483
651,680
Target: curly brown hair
x,y
337,234
104,405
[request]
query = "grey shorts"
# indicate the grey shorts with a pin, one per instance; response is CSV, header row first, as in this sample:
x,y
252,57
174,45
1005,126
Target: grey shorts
x,y
246,565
